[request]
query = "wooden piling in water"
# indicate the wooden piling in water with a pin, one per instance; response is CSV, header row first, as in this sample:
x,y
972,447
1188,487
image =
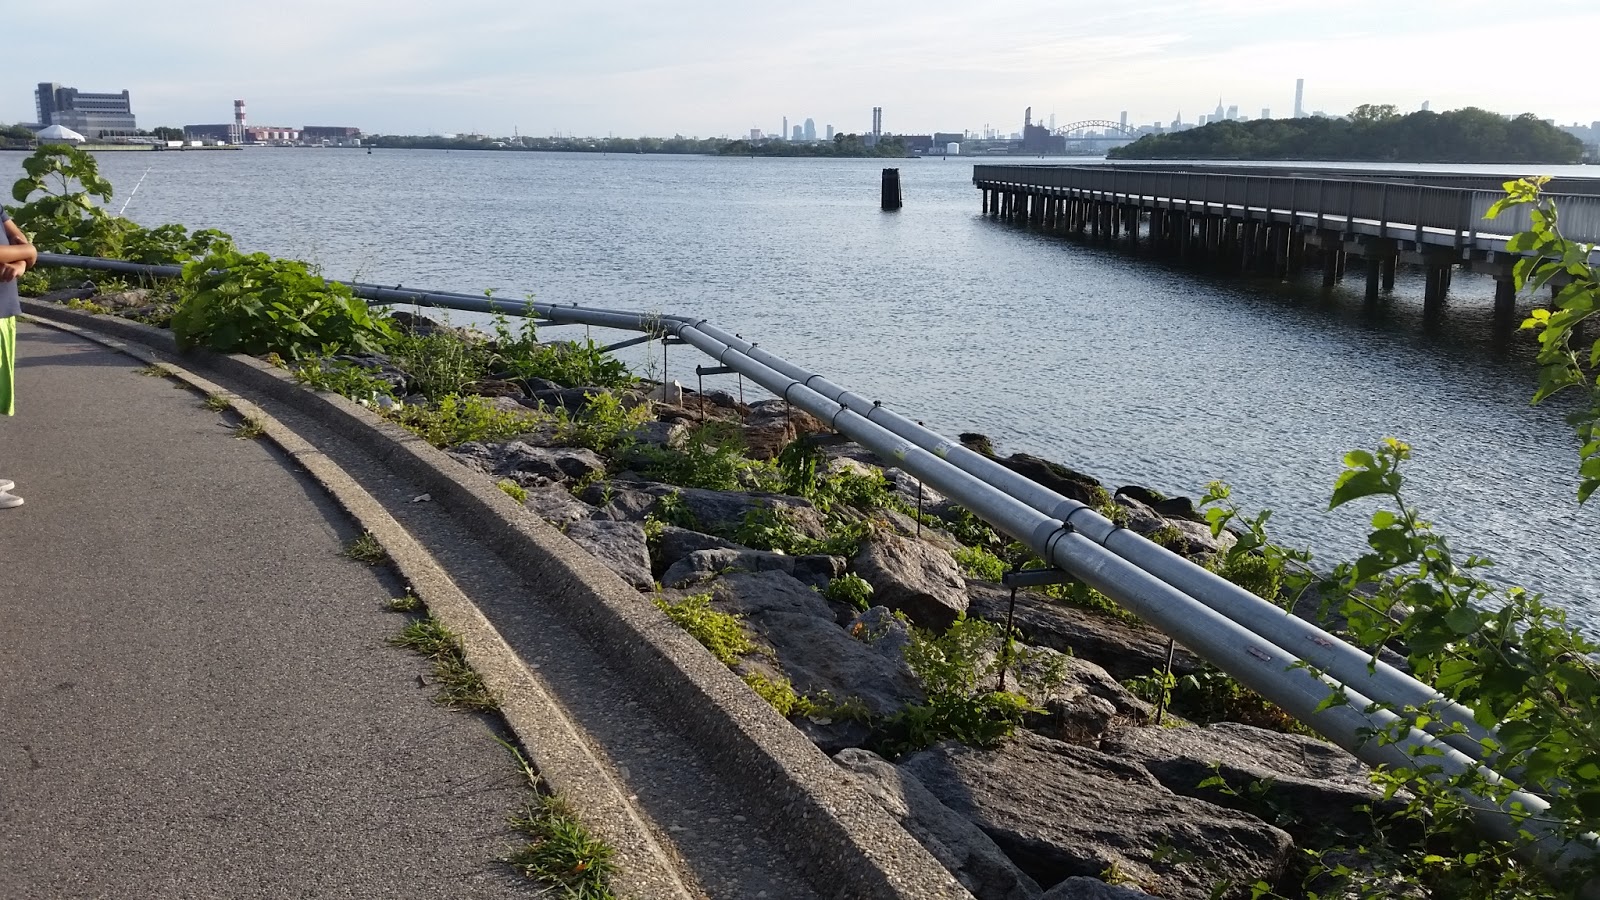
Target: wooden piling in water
x,y
891,199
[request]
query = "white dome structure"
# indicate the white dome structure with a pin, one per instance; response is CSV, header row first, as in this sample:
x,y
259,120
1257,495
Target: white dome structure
x,y
57,134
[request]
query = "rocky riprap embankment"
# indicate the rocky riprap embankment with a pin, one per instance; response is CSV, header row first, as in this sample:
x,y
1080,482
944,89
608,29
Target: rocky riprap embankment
x,y
1088,791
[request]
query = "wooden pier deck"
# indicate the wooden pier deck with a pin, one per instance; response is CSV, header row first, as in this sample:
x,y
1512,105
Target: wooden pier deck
x,y
1279,219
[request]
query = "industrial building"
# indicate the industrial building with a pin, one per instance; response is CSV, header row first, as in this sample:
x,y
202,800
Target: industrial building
x,y
239,131
92,115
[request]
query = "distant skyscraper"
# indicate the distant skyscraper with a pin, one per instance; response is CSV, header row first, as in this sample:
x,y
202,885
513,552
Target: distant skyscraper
x,y
1202,119
1425,106
1220,114
1124,121
784,134
1299,98
877,121
1266,113
799,134
1233,113
811,130
1053,122
755,134
830,132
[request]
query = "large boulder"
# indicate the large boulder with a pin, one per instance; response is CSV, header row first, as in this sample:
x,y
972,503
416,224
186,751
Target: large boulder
x,y
906,487
1300,783
770,425
1060,811
526,464
713,512
619,545
814,653
1064,481
1123,649
918,579
556,506
1082,704
960,846
814,571
674,543
1080,887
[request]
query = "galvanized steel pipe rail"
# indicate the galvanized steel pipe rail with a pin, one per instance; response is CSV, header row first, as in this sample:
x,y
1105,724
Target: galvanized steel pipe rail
x,y
1274,653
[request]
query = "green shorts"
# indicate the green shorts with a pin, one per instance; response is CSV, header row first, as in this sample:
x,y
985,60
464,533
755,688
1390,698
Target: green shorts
x,y
8,366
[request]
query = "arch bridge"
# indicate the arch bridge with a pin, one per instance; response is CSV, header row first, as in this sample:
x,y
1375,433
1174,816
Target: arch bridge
x,y
1122,133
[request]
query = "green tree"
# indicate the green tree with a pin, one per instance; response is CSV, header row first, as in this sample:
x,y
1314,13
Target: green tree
x,y
1374,112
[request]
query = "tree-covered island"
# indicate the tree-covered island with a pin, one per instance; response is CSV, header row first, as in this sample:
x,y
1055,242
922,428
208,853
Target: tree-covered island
x,y
1371,132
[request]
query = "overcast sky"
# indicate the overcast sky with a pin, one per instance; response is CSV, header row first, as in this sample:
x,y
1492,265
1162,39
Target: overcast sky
x,y
709,67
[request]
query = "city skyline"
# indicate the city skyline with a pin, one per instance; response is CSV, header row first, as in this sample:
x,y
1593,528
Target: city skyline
x,y
644,68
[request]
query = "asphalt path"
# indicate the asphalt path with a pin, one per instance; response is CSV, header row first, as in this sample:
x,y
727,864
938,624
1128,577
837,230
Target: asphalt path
x,y
197,696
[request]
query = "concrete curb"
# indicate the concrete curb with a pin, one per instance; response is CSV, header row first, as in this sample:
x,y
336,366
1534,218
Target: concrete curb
x,y
843,842
558,751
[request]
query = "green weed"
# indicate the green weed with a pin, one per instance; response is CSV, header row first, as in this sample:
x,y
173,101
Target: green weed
x,y
407,603
562,852
366,549
852,589
456,419
980,563
460,687
249,429
356,382
218,403
721,633
513,490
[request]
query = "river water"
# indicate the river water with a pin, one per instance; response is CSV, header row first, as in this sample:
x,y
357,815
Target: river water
x,y
1132,370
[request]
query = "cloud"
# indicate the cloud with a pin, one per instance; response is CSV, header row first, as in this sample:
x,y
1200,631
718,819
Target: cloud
x,y
712,66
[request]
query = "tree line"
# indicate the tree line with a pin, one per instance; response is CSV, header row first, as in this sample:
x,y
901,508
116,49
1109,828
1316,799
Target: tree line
x,y
1371,132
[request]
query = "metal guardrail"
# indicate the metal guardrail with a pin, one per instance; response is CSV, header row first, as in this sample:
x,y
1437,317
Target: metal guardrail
x,y
1426,211
1288,660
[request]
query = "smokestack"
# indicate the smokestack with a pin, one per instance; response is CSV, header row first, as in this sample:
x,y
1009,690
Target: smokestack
x,y
1027,119
238,122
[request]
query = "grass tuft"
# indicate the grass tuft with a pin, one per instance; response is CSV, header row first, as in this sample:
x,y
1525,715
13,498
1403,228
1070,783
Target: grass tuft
x,y
156,371
562,852
408,603
218,403
460,687
513,490
719,632
250,429
366,549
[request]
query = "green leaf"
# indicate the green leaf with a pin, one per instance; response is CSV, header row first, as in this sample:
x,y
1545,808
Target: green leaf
x,y
1355,484
1463,620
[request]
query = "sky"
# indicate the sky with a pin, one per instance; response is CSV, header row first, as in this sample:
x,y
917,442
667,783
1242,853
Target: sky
x,y
711,67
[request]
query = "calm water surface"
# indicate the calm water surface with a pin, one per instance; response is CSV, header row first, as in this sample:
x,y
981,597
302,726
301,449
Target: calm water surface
x,y
1132,370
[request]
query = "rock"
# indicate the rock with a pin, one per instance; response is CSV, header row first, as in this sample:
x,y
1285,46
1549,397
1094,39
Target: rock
x,y
1058,478
1086,702
416,324
121,300
475,455
1178,508
380,366
670,394
509,405
556,506
905,526
956,843
1060,811
918,579
1140,517
905,485
675,543
977,443
573,400
532,384
881,630
771,425
62,295
703,564
815,654
1141,494
1079,887
1123,649
619,545
1197,539
846,465
1303,784
722,399
497,388
522,462
713,512
659,434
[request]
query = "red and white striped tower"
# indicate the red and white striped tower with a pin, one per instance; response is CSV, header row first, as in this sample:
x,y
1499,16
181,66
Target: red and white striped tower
x,y
238,121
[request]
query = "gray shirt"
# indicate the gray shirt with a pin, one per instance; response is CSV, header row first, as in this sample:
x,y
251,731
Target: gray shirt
x,y
10,303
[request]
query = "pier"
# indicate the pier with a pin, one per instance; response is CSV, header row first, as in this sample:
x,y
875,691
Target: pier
x,y
1276,221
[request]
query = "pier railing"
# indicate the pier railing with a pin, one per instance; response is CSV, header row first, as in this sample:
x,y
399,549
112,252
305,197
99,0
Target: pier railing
x,y
1422,212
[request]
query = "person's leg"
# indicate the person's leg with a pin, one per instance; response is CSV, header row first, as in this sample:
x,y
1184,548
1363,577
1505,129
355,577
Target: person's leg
x,y
8,401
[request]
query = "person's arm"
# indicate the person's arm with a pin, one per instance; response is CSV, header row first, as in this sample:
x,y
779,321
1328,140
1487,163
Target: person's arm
x,y
19,248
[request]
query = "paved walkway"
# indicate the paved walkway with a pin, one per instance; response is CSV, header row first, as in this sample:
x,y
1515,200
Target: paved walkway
x,y
196,694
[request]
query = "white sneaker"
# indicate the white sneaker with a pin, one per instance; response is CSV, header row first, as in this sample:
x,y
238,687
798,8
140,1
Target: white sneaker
x,y
9,500
7,484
